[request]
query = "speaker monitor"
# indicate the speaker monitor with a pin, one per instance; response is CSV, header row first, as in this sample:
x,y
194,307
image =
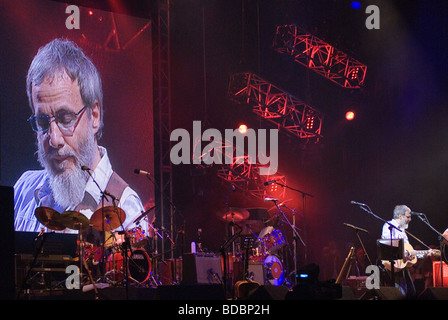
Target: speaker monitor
x,y
384,293
257,272
201,269
434,294
7,285
269,292
190,292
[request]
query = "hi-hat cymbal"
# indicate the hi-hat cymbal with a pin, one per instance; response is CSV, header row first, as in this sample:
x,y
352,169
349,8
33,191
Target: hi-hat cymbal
x,y
74,220
233,214
49,218
107,218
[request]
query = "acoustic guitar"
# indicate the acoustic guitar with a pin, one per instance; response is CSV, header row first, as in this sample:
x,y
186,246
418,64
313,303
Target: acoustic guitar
x,y
410,258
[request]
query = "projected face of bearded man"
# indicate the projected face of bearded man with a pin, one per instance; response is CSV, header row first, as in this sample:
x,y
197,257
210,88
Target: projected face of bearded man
x,y
69,141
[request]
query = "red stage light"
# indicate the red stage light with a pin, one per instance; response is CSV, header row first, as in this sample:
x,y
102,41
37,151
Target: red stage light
x,y
242,128
350,115
90,13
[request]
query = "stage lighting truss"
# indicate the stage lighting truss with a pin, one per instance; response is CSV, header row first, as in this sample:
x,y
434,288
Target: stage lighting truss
x,y
319,56
276,106
242,171
246,178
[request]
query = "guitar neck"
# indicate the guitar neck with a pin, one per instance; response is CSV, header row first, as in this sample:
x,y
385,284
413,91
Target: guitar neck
x,y
421,253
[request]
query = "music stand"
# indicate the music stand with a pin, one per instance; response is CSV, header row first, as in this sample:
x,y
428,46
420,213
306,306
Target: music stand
x,y
390,250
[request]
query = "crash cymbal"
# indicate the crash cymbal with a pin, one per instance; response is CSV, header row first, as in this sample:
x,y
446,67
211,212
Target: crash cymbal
x,y
280,205
74,220
233,214
107,218
49,218
250,226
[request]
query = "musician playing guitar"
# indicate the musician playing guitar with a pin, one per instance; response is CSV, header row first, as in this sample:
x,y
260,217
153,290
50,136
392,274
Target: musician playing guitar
x,y
401,219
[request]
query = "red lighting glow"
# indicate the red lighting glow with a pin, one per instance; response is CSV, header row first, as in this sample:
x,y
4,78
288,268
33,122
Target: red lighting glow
x,y
350,115
242,128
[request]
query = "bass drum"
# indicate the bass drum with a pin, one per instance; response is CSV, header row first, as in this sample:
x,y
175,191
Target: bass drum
x,y
273,268
139,266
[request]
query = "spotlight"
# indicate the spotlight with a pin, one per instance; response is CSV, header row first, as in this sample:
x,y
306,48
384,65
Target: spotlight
x,y
350,115
242,128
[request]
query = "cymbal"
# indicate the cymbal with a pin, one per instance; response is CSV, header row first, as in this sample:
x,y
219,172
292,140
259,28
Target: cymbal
x,y
74,220
107,218
251,226
237,214
49,218
280,204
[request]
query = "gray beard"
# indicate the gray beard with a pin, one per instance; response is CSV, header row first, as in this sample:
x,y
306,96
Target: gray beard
x,y
68,185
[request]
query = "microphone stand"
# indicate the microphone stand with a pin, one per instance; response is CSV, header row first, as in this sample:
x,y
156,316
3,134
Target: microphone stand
x,y
296,236
441,239
105,194
175,210
360,240
304,195
367,209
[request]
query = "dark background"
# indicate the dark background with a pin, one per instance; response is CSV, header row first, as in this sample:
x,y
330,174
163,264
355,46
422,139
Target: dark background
x,y
394,152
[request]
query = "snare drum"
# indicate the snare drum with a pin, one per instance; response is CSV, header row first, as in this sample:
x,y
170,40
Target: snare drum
x,y
139,266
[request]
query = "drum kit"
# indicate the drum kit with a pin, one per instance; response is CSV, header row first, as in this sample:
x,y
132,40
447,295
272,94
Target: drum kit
x,y
259,243
122,257
124,252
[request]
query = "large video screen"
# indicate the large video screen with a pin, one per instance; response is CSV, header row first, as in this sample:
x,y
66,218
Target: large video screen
x,y
119,48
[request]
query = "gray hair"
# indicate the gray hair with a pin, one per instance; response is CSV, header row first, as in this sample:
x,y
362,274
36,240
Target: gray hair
x,y
64,55
400,210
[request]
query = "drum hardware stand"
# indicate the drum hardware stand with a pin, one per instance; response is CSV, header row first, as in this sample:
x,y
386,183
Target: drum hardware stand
x,y
105,194
296,235
223,251
37,251
304,195
83,264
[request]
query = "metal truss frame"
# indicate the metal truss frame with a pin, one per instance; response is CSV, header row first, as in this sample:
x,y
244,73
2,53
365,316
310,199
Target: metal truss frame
x,y
277,106
245,177
319,56
162,108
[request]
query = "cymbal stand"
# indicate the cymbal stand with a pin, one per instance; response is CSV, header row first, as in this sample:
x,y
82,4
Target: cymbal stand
x,y
304,195
296,237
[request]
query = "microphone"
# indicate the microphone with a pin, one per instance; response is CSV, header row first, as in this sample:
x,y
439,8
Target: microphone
x,y
270,182
85,168
270,199
358,203
137,171
417,213
355,228
110,195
